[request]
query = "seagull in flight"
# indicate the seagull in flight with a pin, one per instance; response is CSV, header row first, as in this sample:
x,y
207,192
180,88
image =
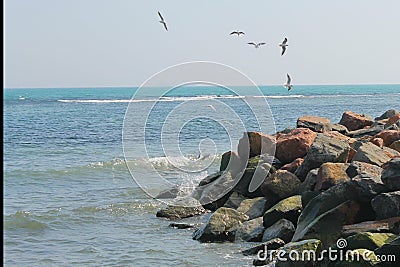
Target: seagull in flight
x,y
162,21
283,45
212,107
256,45
237,32
287,84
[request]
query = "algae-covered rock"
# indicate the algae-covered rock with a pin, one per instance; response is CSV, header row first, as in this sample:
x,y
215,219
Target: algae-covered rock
x,y
181,209
368,240
253,207
281,183
288,208
221,226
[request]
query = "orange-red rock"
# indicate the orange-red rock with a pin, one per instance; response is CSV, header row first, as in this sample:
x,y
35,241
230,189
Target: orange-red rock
x,y
330,174
388,136
394,119
294,144
377,141
292,166
354,121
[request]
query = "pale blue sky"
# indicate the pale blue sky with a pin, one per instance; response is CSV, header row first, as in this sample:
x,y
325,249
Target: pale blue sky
x,y
73,43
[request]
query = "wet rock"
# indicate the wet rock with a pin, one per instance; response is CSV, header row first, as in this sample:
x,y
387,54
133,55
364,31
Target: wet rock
x,y
292,167
250,231
254,207
386,205
255,143
283,229
324,149
354,121
231,161
181,210
387,225
169,193
369,241
210,178
330,174
391,174
309,183
281,183
272,244
372,154
288,208
388,136
294,144
182,225
221,226
314,123
250,180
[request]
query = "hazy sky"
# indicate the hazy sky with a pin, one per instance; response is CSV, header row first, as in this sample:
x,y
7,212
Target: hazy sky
x,y
73,43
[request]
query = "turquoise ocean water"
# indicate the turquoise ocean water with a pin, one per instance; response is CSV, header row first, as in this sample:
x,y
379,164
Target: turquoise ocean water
x,y
69,198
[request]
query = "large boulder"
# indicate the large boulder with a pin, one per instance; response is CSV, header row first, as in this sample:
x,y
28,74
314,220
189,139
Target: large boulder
x,y
391,174
180,209
372,154
330,174
325,215
250,231
386,205
314,123
253,207
388,136
221,226
294,144
281,183
354,121
388,113
283,229
324,149
256,143
288,208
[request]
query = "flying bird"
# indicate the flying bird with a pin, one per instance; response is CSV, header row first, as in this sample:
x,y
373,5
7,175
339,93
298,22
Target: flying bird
x,y
238,33
256,45
162,21
212,107
283,45
287,84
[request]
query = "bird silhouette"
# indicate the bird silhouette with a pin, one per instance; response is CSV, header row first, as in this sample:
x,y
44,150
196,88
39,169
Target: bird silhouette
x,y
256,45
287,84
238,33
283,45
162,21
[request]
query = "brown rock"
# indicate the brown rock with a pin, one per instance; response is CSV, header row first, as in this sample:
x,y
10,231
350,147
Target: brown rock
x,y
377,141
330,174
388,136
294,144
395,145
254,144
394,119
317,124
292,167
354,121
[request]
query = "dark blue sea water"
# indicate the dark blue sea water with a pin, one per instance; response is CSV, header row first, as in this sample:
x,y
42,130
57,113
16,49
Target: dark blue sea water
x,y
69,198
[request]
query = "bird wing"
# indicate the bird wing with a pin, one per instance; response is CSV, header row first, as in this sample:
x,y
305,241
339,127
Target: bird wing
x,y
165,26
288,79
261,43
162,19
234,32
241,33
252,44
283,50
284,41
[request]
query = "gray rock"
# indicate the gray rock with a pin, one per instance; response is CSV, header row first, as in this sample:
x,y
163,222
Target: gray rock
x,y
368,240
357,168
324,149
283,229
221,226
272,244
281,183
386,205
309,183
375,129
388,114
250,231
372,154
253,207
306,197
181,209
182,225
391,175
288,208
368,186
234,200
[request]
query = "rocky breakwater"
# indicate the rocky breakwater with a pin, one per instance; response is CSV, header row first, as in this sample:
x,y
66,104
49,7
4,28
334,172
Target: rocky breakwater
x,y
303,189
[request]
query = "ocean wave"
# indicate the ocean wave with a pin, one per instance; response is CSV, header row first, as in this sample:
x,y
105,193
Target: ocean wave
x,y
25,220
